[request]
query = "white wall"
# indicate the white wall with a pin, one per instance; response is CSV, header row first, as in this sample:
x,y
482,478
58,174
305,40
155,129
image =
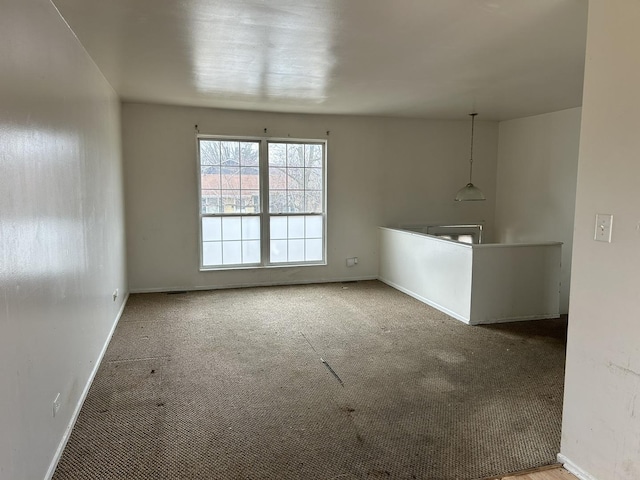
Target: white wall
x,y
61,230
381,171
424,163
601,422
536,183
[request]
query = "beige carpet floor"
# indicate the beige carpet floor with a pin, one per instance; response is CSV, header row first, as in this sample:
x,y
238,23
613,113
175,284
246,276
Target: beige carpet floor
x,y
229,384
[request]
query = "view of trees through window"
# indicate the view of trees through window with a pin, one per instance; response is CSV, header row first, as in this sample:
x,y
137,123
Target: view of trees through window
x,y
230,176
233,196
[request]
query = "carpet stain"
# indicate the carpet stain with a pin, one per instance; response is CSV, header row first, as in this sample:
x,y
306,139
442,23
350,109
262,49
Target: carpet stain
x,y
436,383
450,357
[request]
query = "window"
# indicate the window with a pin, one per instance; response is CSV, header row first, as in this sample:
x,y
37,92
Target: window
x,y
262,202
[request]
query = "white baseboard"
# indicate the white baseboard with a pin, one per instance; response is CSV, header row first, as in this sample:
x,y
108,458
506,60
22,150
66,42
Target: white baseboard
x,y
573,468
188,288
425,300
526,318
85,392
463,319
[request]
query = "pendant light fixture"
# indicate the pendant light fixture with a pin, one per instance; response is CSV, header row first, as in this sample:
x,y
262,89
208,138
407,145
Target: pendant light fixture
x,y
470,192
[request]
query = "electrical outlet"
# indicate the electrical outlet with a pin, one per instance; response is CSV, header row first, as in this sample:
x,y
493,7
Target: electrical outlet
x,y
56,404
352,261
604,225
115,294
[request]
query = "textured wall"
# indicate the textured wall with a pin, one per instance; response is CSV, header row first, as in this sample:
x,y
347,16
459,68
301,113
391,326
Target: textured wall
x,y
61,230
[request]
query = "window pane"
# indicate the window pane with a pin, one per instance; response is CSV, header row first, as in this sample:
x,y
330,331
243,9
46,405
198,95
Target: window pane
x,y
249,153
277,178
251,228
250,201
230,201
209,152
296,227
313,250
211,229
211,254
313,202
251,251
278,251
207,170
313,224
304,235
296,251
295,178
231,253
210,201
278,201
313,179
231,228
249,178
230,153
230,178
277,154
278,227
313,155
295,202
295,155
210,181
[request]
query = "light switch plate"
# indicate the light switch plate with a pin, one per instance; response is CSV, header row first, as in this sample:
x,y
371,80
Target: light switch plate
x,y
604,225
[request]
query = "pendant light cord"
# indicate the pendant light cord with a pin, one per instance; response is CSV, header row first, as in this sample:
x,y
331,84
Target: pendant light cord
x,y
473,117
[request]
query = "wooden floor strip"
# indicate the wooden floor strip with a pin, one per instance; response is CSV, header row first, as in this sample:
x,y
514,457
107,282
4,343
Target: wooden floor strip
x,y
548,472
554,474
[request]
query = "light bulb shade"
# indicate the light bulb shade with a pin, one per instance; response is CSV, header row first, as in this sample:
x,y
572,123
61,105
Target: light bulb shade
x,y
469,193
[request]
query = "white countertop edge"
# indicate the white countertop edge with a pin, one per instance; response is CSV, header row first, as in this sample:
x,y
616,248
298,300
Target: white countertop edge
x,y
469,245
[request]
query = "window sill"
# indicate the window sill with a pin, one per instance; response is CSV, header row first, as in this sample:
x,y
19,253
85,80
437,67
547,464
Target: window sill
x,y
261,267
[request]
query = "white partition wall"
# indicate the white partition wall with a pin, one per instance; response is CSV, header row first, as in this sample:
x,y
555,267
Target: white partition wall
x,y
515,282
439,275
474,283
435,271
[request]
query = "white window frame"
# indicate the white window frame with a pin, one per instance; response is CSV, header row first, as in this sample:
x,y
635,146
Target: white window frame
x,y
264,214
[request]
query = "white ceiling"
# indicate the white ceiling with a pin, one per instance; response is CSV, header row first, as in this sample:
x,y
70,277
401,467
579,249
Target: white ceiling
x,y
418,58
